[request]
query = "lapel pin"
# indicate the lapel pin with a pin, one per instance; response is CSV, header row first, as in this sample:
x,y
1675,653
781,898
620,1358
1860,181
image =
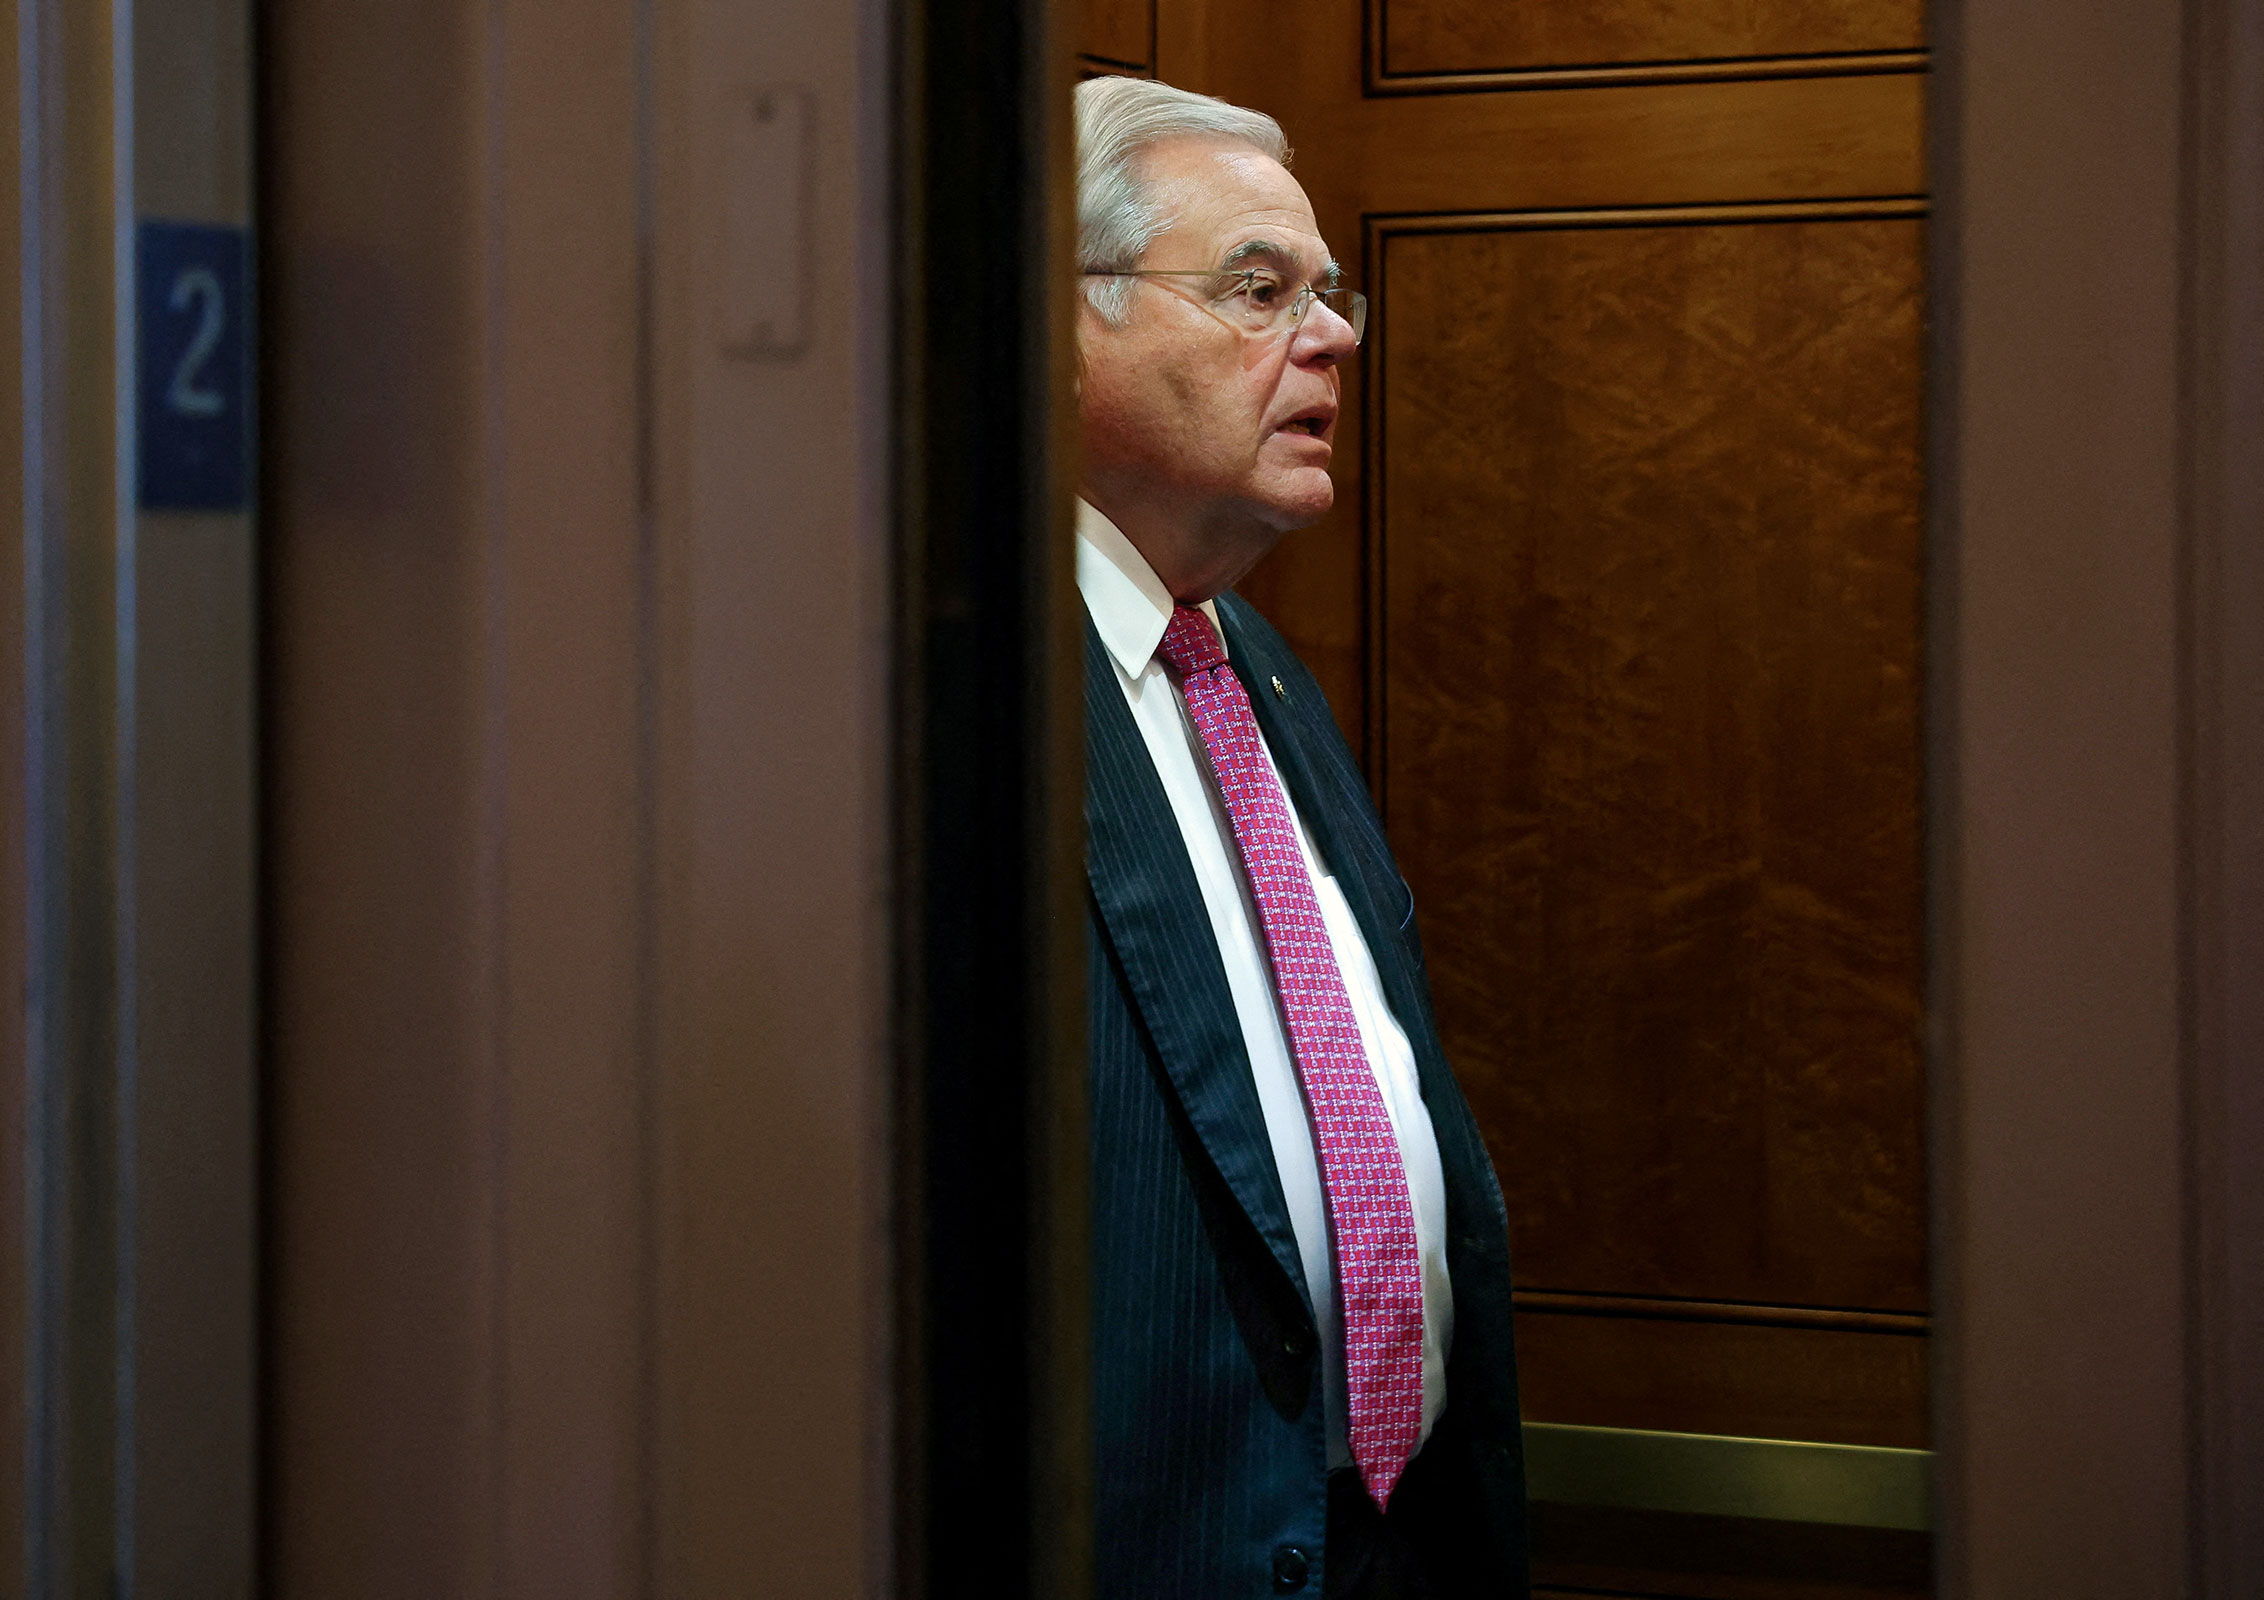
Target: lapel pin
x,y
1279,692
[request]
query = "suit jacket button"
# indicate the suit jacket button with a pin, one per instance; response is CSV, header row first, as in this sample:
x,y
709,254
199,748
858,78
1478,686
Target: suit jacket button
x,y
1293,1345
1290,1569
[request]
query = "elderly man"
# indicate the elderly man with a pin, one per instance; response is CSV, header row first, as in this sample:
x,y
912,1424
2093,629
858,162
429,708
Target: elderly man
x,y
1304,1376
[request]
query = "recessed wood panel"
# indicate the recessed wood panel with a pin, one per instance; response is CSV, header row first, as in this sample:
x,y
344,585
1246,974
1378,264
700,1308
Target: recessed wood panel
x,y
1832,1385
1646,531
1420,37
1121,33
1570,147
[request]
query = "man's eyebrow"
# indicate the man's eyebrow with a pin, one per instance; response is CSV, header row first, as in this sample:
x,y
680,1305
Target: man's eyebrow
x,y
1265,252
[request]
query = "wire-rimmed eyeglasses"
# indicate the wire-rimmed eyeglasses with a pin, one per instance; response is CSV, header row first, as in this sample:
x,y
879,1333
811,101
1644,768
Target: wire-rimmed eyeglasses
x,y
1257,300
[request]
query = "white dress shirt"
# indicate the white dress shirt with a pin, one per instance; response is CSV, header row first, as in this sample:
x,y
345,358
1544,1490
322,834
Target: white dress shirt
x,y
1130,608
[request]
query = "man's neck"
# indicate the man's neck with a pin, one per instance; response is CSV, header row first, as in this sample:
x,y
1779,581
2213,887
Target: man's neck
x,y
1196,556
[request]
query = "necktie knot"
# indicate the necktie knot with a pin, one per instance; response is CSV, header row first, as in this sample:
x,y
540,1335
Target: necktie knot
x,y
1190,643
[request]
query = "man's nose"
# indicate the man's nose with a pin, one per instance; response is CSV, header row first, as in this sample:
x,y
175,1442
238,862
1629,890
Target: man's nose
x,y
1322,338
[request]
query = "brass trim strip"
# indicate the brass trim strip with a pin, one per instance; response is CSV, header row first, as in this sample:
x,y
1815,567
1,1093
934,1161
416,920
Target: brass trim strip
x,y
1715,1475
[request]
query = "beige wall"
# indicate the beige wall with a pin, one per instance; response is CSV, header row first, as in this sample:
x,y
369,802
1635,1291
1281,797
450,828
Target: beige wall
x,y
2095,800
577,797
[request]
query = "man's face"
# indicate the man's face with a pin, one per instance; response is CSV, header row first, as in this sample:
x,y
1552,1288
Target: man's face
x,y
1188,420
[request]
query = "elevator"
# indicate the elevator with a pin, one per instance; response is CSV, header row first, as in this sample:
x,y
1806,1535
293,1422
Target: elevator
x,y
538,778
1622,607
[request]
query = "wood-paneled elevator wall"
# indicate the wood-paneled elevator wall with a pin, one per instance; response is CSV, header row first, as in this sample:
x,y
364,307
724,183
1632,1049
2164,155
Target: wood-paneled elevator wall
x,y
1621,603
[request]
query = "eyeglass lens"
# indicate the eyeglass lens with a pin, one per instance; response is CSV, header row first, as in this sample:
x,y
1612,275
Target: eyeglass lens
x,y
1351,306
1268,306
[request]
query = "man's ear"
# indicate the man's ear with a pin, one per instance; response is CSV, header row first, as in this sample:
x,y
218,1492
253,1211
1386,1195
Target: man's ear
x,y
1079,333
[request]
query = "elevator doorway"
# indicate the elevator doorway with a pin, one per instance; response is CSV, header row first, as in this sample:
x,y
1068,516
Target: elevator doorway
x,y
1621,605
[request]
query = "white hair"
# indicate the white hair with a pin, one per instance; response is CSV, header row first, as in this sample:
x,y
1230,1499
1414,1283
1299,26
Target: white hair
x,y
1118,215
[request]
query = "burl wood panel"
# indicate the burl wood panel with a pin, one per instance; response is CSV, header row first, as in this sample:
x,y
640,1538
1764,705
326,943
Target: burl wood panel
x,y
1825,1384
1119,32
1440,36
1662,145
1648,541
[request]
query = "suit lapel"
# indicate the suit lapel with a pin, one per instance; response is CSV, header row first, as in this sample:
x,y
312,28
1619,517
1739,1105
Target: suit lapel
x,y
1361,865
1145,889
1355,852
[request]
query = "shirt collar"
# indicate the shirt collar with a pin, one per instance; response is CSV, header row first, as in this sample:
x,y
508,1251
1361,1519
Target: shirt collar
x,y
1130,606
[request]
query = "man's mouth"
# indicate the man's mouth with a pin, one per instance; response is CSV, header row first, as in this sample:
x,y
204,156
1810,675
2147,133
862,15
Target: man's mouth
x,y
1314,425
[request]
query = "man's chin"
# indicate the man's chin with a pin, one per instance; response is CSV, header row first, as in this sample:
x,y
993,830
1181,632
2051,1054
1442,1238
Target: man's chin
x,y
1299,498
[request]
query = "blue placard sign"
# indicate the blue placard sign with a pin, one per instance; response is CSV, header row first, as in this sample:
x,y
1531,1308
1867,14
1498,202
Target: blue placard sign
x,y
195,359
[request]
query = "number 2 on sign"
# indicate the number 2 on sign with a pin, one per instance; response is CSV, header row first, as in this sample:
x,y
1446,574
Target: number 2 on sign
x,y
183,394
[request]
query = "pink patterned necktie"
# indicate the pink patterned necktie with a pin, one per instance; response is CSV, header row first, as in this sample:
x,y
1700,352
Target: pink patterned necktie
x,y
1372,1217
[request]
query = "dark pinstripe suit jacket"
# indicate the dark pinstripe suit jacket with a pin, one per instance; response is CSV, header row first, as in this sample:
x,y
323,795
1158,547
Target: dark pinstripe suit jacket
x,y
1212,1457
